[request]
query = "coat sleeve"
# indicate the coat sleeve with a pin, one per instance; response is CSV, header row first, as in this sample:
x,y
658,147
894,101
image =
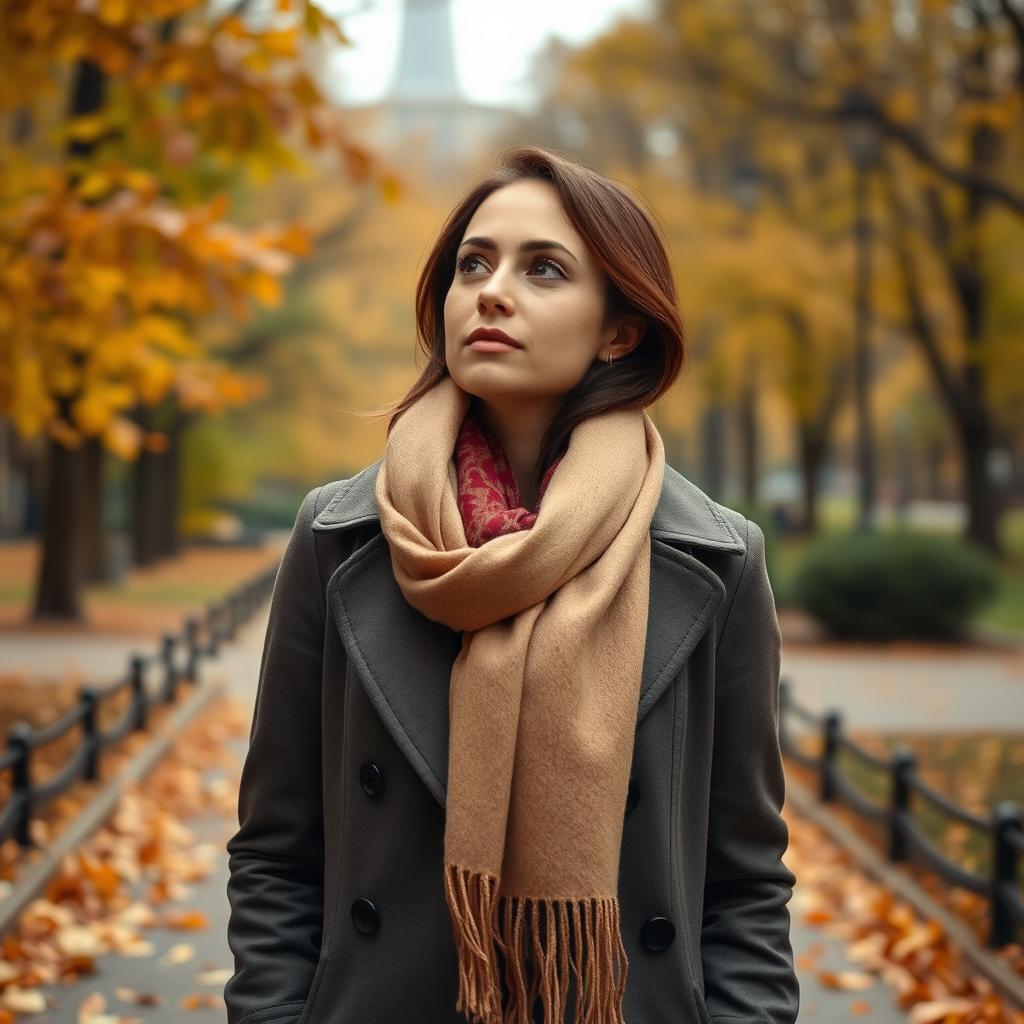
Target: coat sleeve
x,y
276,858
746,952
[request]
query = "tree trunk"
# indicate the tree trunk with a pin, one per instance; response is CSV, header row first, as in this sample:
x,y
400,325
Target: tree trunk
x,y
749,450
981,492
170,541
146,505
58,584
97,567
65,520
812,455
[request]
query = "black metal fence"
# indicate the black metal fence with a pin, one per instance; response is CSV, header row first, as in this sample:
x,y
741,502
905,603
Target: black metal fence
x,y
905,840
152,679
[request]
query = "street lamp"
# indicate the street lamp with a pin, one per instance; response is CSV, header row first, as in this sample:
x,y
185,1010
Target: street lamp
x,y
863,144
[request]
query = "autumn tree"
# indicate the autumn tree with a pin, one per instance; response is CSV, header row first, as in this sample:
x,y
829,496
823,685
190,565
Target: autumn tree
x,y
938,82
128,129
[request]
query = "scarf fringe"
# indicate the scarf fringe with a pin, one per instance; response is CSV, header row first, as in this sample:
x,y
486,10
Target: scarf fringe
x,y
590,927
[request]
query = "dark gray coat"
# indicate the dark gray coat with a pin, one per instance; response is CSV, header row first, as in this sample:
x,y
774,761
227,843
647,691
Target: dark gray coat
x,y
337,902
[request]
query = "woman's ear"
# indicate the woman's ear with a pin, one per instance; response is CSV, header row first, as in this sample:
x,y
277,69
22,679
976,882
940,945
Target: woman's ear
x,y
622,336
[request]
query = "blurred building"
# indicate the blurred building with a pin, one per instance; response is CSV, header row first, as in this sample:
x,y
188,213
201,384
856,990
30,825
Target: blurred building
x,y
423,119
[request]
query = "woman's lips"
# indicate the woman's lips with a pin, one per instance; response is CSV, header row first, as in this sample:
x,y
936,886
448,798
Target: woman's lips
x,y
490,345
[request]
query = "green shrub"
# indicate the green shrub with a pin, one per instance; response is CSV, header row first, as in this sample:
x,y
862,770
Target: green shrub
x,y
893,584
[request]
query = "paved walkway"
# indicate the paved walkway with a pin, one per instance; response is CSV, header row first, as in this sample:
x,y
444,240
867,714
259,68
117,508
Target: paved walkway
x,y
819,680
238,663
927,691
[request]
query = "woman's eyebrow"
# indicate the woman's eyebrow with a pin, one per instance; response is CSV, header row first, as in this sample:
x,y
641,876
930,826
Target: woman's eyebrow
x,y
483,242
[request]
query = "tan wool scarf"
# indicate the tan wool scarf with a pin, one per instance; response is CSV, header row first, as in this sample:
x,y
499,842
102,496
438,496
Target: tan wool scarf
x,y
542,703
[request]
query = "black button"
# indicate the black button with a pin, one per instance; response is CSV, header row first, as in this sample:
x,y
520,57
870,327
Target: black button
x,y
371,778
632,795
365,917
657,934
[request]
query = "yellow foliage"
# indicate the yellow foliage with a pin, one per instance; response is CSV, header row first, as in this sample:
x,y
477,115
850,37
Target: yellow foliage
x,y
318,21
114,12
94,407
123,437
391,188
34,405
265,289
112,254
87,127
154,376
168,334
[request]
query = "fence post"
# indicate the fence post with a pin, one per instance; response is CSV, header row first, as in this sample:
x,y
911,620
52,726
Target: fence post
x,y
1006,819
903,766
831,726
140,698
231,618
90,730
192,644
167,659
18,739
213,628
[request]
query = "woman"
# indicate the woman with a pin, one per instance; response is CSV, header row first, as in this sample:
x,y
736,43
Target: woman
x,y
514,754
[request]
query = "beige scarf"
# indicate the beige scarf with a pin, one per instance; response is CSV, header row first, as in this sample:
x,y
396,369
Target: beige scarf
x,y
543,700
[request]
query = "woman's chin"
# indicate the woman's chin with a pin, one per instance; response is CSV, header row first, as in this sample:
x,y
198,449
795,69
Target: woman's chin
x,y
491,382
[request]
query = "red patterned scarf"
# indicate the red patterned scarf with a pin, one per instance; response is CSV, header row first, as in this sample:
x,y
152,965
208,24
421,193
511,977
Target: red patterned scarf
x,y
489,497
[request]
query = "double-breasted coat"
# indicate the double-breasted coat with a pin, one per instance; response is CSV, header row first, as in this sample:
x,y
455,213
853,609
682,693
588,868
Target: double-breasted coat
x,y
336,888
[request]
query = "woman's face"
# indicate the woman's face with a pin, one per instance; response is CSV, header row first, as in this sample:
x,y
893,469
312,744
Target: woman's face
x,y
550,298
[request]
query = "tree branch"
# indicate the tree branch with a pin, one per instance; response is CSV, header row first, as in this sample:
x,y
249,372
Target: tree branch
x,y
904,135
918,321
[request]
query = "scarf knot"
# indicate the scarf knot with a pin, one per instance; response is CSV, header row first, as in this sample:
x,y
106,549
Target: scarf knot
x,y
489,498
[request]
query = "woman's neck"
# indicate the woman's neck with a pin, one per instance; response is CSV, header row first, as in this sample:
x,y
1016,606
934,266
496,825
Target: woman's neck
x,y
520,429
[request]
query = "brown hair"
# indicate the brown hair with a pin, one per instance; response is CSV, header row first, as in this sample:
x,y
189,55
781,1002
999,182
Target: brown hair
x,y
624,239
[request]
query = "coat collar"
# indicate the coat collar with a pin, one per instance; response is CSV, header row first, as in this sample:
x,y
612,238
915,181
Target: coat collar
x,y
684,513
404,660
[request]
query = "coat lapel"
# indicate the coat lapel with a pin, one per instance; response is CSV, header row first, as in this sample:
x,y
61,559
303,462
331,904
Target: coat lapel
x,y
404,660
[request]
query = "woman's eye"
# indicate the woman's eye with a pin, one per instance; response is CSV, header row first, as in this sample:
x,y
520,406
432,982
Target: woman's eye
x,y
463,264
550,263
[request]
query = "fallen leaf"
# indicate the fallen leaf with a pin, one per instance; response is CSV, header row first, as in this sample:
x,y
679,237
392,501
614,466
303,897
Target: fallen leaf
x,y
187,920
22,1000
179,953
939,1010
214,977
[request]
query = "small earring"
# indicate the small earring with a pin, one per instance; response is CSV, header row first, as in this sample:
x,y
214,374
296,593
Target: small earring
x,y
610,358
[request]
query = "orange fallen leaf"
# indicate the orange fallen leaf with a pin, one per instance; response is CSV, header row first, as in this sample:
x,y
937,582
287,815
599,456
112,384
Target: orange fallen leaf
x,y
846,980
130,995
187,920
201,1000
22,1000
940,1010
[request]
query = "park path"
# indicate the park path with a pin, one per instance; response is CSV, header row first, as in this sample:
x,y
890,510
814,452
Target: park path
x,y
911,689
238,665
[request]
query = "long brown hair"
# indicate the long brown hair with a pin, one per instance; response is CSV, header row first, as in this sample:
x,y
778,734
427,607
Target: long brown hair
x,y
624,239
